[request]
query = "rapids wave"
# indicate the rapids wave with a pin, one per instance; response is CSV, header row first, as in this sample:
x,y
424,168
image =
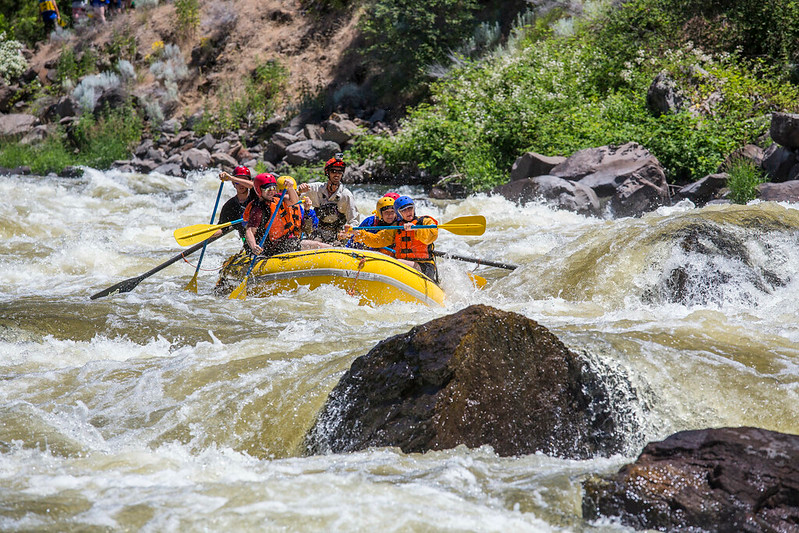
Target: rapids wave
x,y
161,409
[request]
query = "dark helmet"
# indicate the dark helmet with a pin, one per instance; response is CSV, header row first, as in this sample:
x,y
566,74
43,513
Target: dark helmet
x,y
402,202
336,161
264,179
242,172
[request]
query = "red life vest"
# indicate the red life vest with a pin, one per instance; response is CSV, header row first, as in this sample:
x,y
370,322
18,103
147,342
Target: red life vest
x,y
406,246
287,223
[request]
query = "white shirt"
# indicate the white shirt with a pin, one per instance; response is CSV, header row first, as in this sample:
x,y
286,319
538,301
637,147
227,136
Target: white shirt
x,y
343,199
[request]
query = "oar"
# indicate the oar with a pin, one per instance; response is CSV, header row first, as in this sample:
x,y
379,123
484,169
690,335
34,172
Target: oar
x,y
479,281
468,225
475,260
240,292
192,285
130,284
199,232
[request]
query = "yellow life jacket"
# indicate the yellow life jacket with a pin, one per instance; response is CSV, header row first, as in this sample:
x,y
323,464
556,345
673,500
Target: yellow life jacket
x,y
46,6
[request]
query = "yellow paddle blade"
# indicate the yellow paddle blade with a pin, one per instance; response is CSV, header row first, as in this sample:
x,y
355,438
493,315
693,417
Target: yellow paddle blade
x,y
196,233
192,285
468,225
479,281
239,292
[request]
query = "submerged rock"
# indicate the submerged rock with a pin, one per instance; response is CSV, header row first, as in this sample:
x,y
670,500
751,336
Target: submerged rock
x,y
478,377
727,479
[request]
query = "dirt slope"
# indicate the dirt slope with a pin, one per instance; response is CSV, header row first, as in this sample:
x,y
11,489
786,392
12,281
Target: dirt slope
x,y
311,47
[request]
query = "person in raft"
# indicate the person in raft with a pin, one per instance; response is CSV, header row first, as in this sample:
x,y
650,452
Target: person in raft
x,y
235,207
411,246
333,202
384,215
284,234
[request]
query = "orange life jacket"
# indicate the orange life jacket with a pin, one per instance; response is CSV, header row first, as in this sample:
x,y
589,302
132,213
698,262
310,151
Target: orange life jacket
x,y
410,248
287,222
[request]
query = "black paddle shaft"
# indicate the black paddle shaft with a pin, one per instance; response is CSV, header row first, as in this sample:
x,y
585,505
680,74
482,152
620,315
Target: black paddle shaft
x,y
130,284
507,266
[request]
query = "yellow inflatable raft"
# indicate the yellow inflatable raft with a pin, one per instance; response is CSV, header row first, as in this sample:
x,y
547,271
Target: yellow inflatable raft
x,y
376,278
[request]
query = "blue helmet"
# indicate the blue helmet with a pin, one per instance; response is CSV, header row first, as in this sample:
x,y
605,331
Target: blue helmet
x,y
401,203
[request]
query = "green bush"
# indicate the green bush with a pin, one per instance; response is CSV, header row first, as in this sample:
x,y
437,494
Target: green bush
x,y
51,155
562,94
406,37
188,15
744,177
103,140
95,142
248,105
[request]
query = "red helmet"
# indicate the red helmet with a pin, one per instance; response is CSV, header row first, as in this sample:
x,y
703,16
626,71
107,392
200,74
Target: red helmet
x,y
242,172
263,179
391,195
335,162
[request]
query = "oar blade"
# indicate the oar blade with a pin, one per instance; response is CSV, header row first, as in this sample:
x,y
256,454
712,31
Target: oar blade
x,y
478,281
192,285
194,234
123,286
468,225
240,292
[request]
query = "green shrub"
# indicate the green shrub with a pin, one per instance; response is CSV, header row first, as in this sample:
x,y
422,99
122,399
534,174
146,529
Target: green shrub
x,y
103,140
51,155
248,105
188,14
95,142
744,178
406,37
562,94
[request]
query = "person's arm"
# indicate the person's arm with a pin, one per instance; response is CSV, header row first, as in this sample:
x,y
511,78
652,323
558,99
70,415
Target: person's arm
x,y
224,176
250,236
376,240
426,235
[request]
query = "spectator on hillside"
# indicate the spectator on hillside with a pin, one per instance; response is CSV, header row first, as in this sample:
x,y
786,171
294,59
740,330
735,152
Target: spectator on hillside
x,y
48,10
99,10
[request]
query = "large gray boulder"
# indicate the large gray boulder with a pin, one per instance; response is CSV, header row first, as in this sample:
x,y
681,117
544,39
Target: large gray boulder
x,y
194,159
478,377
780,163
629,175
703,190
276,147
787,191
339,131
714,480
784,129
663,96
17,124
532,164
568,195
309,152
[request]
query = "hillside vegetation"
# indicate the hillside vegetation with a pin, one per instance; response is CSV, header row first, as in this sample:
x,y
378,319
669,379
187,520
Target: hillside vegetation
x,y
478,82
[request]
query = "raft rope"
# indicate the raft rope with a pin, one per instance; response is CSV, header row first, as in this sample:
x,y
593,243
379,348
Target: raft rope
x,y
352,291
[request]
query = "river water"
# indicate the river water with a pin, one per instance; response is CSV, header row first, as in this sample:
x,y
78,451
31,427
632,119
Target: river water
x,y
165,410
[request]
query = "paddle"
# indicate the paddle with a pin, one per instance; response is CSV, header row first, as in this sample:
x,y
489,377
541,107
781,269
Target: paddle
x,y
192,285
479,281
475,260
130,284
198,232
468,225
240,292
